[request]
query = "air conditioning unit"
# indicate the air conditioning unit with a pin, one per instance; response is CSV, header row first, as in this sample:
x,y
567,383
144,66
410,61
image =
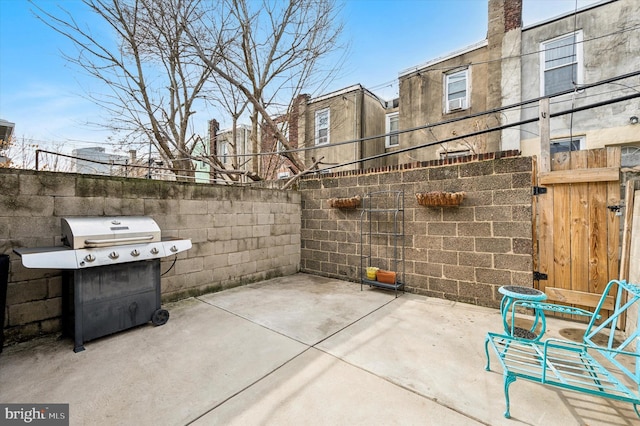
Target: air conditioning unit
x,y
458,103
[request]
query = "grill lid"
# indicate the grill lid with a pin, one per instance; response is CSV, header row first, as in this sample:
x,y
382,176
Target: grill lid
x,y
88,232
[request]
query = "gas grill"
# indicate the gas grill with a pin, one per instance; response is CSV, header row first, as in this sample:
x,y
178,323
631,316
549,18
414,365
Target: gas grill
x,y
112,273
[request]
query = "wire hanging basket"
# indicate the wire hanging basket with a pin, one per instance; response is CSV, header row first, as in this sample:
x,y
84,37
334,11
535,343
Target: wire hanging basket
x,y
440,198
345,203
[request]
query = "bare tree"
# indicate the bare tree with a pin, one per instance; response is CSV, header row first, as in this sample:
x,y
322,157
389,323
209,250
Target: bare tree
x,y
154,76
24,153
234,103
280,52
167,55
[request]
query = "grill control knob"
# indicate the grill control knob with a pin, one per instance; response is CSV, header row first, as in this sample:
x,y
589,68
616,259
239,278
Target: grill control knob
x,y
174,249
135,253
89,258
113,255
155,250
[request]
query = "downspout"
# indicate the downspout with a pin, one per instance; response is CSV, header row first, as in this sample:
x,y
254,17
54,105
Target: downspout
x,y
360,144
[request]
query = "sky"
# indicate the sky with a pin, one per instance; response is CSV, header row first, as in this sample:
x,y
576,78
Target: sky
x,y
45,96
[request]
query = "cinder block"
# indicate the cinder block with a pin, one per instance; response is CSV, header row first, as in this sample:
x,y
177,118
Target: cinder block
x,y
493,245
28,291
497,277
443,285
26,205
39,310
514,262
47,183
73,206
443,256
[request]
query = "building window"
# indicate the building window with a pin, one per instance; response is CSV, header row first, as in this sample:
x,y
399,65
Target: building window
x,y
561,63
456,91
283,126
630,156
391,126
566,145
223,151
322,126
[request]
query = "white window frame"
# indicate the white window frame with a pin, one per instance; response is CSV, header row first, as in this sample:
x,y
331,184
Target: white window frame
x,y
465,103
580,139
223,145
284,129
579,61
322,140
628,155
389,137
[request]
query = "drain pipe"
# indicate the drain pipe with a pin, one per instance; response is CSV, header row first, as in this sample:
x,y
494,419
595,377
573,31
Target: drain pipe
x,y
360,144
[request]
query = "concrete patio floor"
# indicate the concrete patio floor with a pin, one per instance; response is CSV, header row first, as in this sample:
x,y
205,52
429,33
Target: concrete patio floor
x,y
297,350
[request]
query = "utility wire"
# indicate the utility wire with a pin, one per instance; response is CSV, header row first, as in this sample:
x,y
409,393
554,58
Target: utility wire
x,y
416,68
428,144
481,132
525,104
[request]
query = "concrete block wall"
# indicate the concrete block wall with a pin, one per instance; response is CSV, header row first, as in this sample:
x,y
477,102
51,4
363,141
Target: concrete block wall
x,y
239,235
463,254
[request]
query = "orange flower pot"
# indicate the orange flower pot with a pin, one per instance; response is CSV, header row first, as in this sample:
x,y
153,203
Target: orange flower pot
x,y
386,277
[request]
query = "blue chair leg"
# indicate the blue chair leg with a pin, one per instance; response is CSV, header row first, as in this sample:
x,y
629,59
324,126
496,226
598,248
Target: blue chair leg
x,y
508,379
486,351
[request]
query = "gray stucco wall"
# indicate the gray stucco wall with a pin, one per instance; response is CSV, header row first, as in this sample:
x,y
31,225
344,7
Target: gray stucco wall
x,y
611,48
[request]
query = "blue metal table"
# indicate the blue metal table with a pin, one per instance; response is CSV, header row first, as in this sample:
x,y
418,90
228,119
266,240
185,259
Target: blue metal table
x,y
512,294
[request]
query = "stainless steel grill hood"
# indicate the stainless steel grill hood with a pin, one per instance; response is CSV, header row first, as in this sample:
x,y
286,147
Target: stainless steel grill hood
x,y
99,241
84,232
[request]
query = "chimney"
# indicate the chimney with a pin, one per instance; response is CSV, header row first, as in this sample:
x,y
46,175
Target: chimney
x,y
214,127
504,40
512,15
504,16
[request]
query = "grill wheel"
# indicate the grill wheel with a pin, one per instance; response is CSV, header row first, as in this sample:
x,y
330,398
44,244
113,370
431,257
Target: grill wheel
x,y
160,317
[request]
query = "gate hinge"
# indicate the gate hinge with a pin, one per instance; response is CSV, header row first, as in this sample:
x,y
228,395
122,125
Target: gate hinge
x,y
616,208
537,276
537,190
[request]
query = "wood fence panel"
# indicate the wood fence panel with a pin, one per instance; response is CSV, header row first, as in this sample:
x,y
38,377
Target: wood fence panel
x,y
578,220
575,224
561,227
613,220
598,213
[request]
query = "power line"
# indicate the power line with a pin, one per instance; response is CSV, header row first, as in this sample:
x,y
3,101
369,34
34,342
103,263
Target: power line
x,y
481,132
522,104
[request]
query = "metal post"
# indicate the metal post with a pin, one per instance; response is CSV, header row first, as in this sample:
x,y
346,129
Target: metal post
x,y
4,283
150,161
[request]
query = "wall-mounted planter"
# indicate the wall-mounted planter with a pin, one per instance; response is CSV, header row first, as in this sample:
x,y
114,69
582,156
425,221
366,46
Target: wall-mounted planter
x,y
440,198
345,203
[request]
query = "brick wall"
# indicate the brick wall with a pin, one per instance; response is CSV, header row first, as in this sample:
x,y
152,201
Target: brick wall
x,y
462,253
239,235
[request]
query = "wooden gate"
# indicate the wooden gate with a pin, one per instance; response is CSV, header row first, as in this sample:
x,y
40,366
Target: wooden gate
x,y
577,226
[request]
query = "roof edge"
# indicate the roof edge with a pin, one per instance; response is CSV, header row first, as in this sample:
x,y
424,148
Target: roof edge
x,y
462,51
